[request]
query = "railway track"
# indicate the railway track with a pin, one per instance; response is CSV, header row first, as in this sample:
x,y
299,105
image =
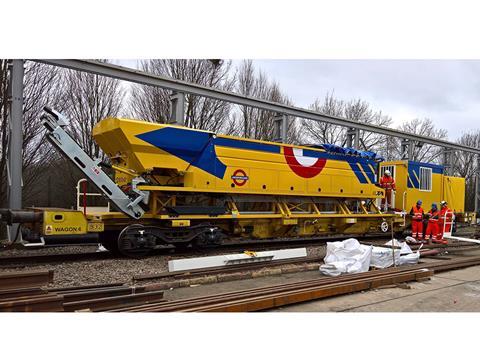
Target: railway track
x,y
224,269
269,297
25,292
169,275
33,259
282,243
272,296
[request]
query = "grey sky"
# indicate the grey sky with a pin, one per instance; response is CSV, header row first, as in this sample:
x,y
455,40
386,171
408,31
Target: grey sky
x,y
446,91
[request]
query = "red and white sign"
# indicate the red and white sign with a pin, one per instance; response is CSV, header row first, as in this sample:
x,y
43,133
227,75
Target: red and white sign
x,y
239,177
304,166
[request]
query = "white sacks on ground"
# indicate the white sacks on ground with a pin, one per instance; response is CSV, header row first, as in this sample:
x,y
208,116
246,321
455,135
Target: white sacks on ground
x,y
407,256
404,248
410,259
346,257
383,257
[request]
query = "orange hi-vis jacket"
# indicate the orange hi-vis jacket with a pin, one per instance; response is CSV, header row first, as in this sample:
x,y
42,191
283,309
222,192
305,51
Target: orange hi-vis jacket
x,y
443,211
417,213
433,216
387,182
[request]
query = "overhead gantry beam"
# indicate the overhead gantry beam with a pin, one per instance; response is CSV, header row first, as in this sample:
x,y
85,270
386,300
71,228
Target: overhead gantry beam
x,y
140,77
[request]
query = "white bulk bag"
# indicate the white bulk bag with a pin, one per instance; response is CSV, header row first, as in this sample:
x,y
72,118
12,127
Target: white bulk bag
x,y
346,257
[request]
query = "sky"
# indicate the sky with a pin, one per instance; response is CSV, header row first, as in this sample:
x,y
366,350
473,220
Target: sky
x,y
446,91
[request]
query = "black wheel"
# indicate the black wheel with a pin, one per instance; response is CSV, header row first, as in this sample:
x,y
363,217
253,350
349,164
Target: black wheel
x,y
211,237
133,241
109,241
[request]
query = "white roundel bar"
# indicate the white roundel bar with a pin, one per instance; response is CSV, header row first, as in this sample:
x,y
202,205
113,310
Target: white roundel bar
x,y
306,161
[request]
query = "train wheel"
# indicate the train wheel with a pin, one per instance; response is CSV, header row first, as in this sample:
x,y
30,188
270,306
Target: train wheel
x,y
384,227
133,241
109,241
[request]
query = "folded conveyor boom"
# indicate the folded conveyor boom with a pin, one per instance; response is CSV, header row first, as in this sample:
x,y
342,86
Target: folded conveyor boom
x,y
57,136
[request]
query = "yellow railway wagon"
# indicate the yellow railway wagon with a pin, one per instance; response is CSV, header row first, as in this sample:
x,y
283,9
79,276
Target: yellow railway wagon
x,y
198,181
426,182
199,188
183,159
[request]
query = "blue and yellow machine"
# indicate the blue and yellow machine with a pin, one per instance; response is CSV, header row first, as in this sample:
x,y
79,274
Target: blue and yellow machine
x,y
185,160
203,186
182,187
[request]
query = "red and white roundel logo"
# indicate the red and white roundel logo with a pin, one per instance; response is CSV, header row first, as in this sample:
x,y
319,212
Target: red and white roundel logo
x,y
239,177
304,166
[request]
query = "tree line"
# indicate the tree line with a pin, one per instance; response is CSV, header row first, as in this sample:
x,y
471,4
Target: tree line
x,y
49,179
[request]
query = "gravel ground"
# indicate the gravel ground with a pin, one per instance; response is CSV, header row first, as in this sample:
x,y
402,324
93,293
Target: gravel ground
x,y
22,251
120,270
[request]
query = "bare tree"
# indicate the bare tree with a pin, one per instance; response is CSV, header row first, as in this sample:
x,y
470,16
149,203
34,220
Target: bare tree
x,y
257,123
153,104
465,165
421,152
87,99
357,110
322,132
41,88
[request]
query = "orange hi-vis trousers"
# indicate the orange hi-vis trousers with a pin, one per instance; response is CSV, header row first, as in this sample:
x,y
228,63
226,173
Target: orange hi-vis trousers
x,y
417,229
432,229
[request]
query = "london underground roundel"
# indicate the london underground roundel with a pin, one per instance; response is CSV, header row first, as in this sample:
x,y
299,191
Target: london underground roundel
x,y
304,166
239,177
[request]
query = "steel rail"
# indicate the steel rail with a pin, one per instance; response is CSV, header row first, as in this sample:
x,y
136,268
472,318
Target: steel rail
x,y
272,288
95,298
15,293
37,303
224,269
86,287
282,298
112,302
17,280
187,304
144,78
92,294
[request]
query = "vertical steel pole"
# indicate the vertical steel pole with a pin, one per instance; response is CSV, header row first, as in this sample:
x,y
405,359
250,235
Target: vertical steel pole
x,y
445,161
356,143
15,120
284,127
448,161
407,149
281,128
350,137
477,187
177,114
353,137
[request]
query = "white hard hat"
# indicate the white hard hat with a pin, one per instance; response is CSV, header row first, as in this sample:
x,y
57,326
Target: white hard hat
x,y
387,172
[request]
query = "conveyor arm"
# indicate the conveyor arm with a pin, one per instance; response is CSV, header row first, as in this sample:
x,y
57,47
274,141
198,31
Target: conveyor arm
x,y
57,136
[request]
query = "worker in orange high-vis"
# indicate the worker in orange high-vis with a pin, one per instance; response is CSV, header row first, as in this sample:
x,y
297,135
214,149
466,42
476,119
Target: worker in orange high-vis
x,y
432,227
444,221
417,220
387,182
